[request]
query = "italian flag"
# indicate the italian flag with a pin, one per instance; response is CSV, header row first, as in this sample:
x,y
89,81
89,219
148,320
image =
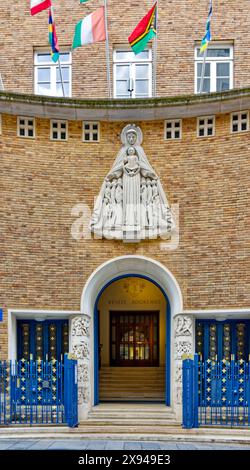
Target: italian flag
x,y
39,5
91,29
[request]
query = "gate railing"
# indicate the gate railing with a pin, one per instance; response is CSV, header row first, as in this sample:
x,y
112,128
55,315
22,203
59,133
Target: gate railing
x,y
38,392
216,393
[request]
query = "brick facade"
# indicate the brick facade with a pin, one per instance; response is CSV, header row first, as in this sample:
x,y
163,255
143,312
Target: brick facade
x,y
43,267
181,26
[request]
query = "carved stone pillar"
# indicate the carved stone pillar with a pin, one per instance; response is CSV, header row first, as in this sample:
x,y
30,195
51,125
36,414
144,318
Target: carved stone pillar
x,y
80,345
183,345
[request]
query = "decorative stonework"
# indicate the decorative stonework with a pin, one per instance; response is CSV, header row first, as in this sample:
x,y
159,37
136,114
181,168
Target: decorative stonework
x,y
132,204
80,326
183,345
183,326
182,348
80,333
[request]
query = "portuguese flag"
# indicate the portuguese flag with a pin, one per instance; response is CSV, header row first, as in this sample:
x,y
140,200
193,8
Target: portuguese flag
x,y
144,31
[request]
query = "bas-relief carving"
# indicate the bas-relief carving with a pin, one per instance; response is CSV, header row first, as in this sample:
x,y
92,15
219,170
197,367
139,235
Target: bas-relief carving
x,y
183,326
81,351
181,348
80,326
131,205
183,345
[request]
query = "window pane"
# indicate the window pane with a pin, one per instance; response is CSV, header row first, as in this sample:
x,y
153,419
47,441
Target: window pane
x,y
124,55
122,88
218,52
130,56
43,74
141,71
44,58
199,70
143,55
43,89
222,69
65,57
65,74
141,87
222,84
215,52
206,85
59,89
122,72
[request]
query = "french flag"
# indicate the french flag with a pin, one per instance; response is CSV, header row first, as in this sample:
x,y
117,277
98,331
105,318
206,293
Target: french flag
x,y
39,5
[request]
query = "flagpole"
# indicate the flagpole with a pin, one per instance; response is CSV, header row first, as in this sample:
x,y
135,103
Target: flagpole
x,y
107,48
204,57
59,62
203,70
155,51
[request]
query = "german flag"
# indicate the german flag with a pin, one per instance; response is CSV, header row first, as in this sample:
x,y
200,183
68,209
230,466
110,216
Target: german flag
x,y
144,31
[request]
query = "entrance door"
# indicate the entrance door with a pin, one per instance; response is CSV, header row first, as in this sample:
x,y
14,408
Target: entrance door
x,y
45,340
134,339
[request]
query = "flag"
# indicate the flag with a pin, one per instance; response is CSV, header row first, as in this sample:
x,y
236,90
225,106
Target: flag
x,y
144,31
53,41
207,38
91,29
39,5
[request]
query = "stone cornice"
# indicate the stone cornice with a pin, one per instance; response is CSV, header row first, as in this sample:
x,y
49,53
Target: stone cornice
x,y
125,110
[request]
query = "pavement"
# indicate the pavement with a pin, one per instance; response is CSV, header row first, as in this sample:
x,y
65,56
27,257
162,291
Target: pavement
x,y
82,444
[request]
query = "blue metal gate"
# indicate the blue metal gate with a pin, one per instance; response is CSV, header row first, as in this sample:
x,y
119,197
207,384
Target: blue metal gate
x,y
216,393
35,392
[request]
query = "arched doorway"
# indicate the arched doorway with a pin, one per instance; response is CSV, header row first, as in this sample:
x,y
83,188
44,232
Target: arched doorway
x,y
104,275
132,325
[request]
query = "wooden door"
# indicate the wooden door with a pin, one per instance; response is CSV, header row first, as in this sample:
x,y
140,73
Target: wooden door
x,y
134,338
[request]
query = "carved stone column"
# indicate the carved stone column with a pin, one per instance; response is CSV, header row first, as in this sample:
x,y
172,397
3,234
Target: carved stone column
x,y
183,345
80,342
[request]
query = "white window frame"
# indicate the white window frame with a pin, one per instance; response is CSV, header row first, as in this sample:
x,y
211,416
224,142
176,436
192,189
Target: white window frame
x,y
239,121
53,66
213,61
26,127
91,131
132,64
173,129
59,130
206,126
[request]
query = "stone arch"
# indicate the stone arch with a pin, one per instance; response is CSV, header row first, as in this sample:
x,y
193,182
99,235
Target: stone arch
x,y
106,273
126,265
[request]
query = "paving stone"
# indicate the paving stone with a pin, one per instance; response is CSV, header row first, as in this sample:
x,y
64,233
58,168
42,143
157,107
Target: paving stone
x,y
114,445
70,444
169,446
96,445
5,444
186,446
150,446
42,444
132,446
22,445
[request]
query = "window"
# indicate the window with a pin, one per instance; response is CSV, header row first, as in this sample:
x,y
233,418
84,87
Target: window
x,y
240,121
205,126
132,74
58,130
26,127
91,132
173,129
47,74
218,74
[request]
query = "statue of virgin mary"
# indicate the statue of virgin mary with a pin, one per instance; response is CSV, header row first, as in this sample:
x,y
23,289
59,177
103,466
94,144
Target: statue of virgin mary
x,y
131,205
